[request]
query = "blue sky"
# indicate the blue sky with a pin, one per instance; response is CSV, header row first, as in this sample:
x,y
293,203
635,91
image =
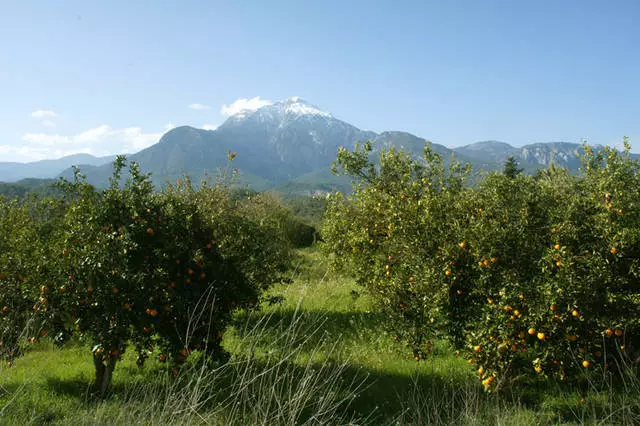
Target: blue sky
x,y
112,76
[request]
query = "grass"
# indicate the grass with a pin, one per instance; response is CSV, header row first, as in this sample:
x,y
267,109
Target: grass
x,y
317,352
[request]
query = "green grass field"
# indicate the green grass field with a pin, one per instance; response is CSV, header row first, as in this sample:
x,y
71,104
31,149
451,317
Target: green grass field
x,y
317,352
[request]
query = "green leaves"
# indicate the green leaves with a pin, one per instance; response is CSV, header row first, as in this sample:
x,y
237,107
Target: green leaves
x,y
481,266
161,271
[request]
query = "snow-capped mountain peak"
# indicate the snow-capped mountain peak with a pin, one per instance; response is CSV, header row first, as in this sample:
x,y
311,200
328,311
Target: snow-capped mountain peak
x,y
295,105
285,111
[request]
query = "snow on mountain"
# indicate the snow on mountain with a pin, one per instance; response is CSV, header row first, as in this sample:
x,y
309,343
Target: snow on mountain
x,y
298,106
286,110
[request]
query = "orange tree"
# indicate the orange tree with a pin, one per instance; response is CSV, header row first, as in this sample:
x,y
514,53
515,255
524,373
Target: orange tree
x,y
131,267
26,227
526,275
16,232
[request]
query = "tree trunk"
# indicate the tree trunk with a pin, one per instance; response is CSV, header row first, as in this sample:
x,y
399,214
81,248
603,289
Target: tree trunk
x,y
104,372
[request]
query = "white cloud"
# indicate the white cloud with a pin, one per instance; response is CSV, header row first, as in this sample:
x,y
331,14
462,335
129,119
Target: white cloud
x,y
209,126
31,153
101,140
169,126
93,135
244,104
42,113
47,123
199,106
44,139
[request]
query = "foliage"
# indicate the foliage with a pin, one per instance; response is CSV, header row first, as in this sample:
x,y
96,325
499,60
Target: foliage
x,y
161,272
525,275
511,169
26,229
295,361
26,186
309,209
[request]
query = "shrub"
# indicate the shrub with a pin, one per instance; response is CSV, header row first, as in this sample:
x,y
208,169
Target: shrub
x,y
161,272
26,227
526,275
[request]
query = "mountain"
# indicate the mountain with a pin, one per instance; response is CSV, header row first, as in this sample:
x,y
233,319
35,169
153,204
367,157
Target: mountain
x,y
530,157
12,172
290,145
489,151
274,144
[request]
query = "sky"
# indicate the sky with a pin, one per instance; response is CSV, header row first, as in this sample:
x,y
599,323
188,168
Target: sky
x,y
112,76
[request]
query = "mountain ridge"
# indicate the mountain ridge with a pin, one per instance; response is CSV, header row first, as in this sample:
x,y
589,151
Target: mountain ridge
x,y
292,143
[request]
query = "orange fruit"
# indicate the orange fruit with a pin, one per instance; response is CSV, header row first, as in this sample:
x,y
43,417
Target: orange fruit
x,y
5,309
153,313
521,335
608,332
554,308
532,331
538,369
463,244
477,348
448,273
614,250
575,313
586,364
618,332
557,247
480,370
541,336
150,231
